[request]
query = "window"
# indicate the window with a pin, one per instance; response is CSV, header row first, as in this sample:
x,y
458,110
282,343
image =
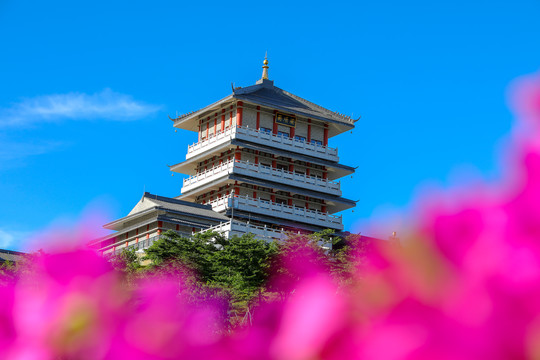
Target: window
x,y
283,134
282,167
300,138
265,130
316,142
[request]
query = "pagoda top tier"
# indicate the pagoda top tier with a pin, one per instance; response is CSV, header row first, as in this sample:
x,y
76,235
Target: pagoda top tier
x,y
265,94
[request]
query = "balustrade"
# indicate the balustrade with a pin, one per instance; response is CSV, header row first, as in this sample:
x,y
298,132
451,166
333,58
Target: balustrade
x,y
264,138
274,209
264,173
234,227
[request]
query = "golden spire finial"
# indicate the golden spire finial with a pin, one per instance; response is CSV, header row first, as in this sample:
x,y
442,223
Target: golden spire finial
x,y
265,67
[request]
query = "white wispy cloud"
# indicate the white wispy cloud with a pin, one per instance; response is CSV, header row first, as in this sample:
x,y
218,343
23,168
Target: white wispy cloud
x,y
105,105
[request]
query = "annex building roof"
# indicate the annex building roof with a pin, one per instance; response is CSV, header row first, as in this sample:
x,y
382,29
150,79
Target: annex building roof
x,y
151,203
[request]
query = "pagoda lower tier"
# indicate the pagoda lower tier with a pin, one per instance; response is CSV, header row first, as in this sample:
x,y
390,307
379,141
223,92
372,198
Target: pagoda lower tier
x,y
276,213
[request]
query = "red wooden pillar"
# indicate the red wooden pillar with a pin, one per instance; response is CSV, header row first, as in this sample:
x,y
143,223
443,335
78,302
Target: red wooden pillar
x,y
230,117
289,200
215,125
292,132
291,166
200,134
160,225
323,208
207,126
275,128
223,120
239,113
309,131
308,169
237,155
237,191
307,204
258,117
274,163
254,192
273,197
325,175
325,136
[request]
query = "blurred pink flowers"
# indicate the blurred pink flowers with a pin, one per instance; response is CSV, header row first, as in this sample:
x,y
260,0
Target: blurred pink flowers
x,y
465,286
74,305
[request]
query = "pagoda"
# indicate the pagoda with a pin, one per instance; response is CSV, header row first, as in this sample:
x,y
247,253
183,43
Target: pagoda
x,y
263,160
262,165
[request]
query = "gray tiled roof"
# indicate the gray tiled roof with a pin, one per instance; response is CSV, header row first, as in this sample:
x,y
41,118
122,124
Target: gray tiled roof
x,y
10,255
264,93
185,207
268,94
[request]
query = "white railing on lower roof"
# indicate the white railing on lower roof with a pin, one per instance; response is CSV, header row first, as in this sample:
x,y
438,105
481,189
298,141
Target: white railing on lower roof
x,y
264,173
263,138
234,227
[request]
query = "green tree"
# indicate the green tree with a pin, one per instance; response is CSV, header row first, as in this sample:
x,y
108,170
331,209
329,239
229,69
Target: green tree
x,y
239,266
348,255
195,254
242,265
298,256
127,261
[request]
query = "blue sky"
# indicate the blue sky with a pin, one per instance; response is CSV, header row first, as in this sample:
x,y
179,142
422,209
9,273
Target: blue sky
x,y
85,89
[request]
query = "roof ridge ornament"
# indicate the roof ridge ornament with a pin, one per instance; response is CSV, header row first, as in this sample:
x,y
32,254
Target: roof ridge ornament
x,y
265,67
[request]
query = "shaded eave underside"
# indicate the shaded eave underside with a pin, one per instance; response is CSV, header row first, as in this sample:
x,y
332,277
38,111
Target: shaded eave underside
x,y
158,217
278,221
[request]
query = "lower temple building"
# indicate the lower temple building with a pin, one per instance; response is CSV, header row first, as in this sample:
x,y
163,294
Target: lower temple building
x,y
262,164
